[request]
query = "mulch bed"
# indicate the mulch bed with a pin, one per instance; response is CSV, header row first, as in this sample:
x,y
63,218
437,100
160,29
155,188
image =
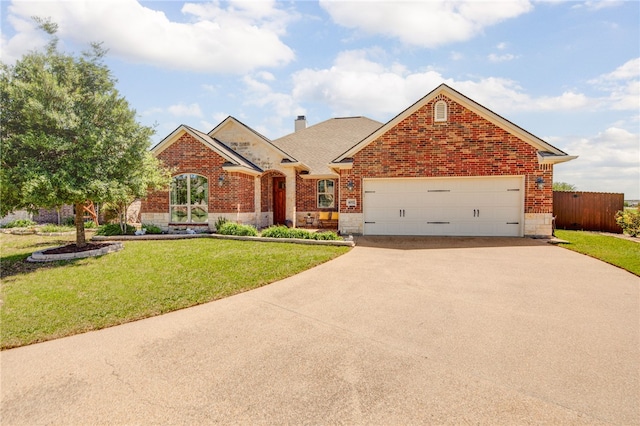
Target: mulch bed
x,y
72,248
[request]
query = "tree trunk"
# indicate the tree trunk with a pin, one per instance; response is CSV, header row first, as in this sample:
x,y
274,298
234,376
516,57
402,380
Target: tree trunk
x,y
80,238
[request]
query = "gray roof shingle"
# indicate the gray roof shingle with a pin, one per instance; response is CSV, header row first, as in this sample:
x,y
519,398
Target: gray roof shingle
x,y
317,145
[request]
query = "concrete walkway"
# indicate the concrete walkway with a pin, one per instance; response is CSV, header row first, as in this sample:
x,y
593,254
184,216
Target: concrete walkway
x,y
397,331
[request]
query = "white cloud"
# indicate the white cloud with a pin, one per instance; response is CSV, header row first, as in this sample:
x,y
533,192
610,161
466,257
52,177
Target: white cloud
x,y
281,106
622,85
425,23
609,162
628,70
346,88
599,4
501,58
456,56
183,110
243,36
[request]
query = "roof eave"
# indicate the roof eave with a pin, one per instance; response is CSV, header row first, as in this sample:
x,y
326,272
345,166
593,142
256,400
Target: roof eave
x,y
235,168
298,165
555,159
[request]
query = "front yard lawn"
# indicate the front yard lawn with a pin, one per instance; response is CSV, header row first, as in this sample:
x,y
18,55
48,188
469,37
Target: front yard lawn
x,y
47,301
616,251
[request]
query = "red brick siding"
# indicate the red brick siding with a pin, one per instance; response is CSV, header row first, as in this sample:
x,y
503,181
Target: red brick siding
x,y
188,155
266,184
465,145
307,195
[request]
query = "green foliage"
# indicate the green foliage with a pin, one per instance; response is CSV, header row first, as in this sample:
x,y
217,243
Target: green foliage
x,y
616,251
114,229
90,224
563,186
69,221
629,221
66,134
231,228
50,227
285,232
219,222
19,223
151,228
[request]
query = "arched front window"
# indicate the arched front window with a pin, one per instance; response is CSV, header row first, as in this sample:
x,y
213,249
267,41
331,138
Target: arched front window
x,y
189,199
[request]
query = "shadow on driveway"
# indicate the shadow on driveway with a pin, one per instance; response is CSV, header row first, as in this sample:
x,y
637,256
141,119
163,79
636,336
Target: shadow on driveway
x,y
429,243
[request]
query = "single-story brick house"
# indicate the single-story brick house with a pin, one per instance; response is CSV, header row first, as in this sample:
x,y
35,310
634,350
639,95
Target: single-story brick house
x,y
444,166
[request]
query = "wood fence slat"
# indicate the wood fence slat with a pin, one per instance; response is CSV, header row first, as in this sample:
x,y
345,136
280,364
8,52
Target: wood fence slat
x,y
588,211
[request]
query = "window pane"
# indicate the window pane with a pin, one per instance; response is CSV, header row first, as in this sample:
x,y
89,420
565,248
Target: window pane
x,y
325,200
178,214
179,190
321,186
329,186
199,190
198,215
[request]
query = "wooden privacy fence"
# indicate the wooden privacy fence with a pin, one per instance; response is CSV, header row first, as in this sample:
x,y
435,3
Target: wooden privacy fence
x,y
588,211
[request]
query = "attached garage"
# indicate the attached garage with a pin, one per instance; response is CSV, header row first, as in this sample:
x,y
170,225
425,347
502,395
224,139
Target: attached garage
x,y
473,206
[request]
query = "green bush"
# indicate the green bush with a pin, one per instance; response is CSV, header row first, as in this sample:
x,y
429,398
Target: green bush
x,y
68,221
151,228
221,221
629,221
231,228
114,229
19,223
90,225
284,232
50,227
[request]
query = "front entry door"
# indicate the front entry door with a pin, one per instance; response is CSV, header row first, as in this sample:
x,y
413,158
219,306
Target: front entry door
x,y
279,200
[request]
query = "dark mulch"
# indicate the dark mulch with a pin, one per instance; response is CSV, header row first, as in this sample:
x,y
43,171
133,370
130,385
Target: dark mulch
x,y
72,248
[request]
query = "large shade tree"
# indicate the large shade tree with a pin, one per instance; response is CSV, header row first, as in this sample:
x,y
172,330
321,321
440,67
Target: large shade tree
x,y
67,135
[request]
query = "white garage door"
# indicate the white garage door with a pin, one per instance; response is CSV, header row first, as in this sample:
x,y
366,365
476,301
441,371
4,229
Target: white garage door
x,y
478,206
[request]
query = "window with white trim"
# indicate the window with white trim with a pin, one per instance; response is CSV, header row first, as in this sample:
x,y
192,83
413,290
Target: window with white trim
x,y
440,111
326,191
189,199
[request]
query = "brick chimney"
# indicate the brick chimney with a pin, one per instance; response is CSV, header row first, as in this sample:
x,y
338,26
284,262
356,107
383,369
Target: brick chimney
x,y
300,123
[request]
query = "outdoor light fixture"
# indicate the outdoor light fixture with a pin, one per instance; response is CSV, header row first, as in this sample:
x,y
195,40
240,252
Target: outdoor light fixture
x,y
540,182
221,180
350,185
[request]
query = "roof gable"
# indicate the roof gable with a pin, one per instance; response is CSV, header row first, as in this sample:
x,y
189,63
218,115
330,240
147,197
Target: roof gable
x,y
231,157
552,154
218,133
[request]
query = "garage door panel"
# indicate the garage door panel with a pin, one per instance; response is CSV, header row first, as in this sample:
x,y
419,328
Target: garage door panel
x,y
451,206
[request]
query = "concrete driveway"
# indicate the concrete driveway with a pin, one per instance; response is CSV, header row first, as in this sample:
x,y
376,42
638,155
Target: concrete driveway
x,y
397,331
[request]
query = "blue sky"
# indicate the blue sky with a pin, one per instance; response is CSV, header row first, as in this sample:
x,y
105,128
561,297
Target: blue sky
x,y
568,72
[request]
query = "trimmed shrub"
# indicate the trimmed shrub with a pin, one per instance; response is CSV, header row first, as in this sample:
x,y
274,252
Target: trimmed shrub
x,y
629,221
151,228
114,229
284,232
19,223
231,228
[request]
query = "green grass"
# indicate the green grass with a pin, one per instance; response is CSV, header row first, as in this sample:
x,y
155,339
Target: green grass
x,y
46,301
616,251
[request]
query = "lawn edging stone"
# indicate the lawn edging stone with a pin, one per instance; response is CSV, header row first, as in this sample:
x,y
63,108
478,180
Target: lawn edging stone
x,y
222,237
39,256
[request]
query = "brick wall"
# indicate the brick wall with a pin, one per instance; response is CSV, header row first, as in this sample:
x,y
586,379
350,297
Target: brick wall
x,y
188,155
307,195
465,145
